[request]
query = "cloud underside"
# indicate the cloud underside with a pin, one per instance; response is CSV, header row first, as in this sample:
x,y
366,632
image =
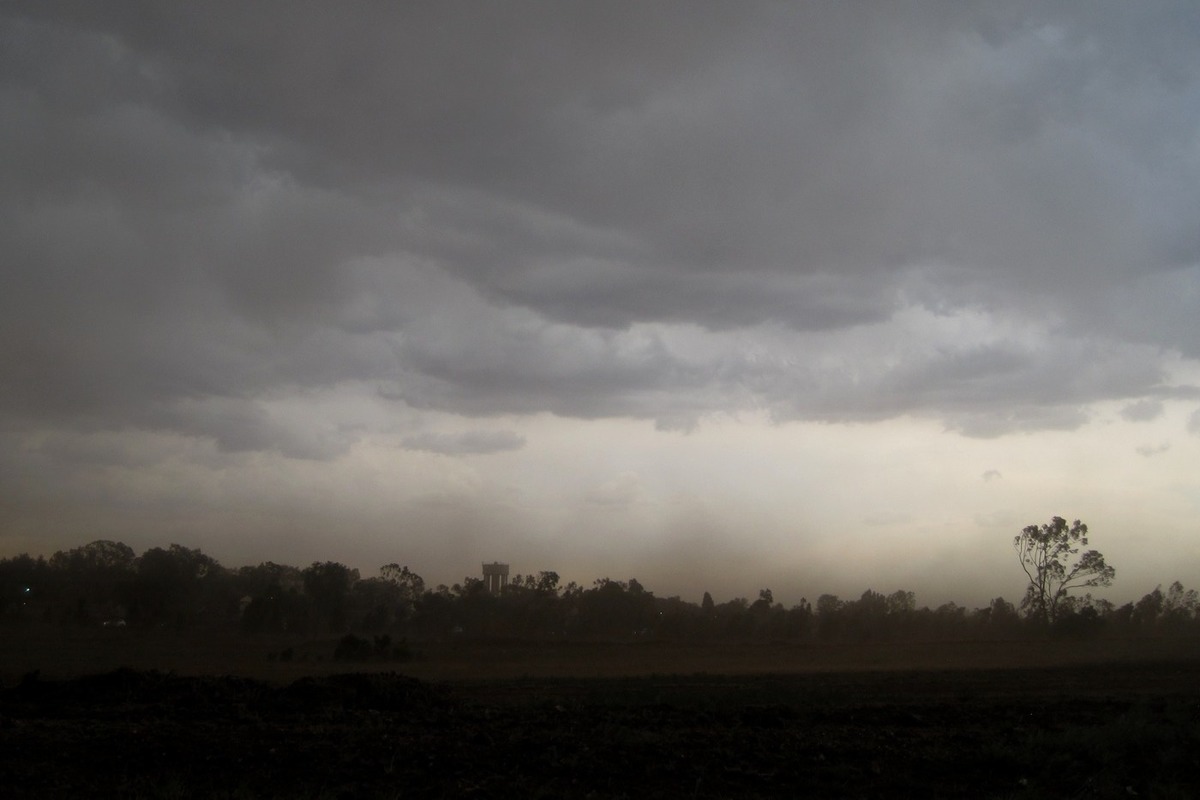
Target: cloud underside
x,y
478,442
211,216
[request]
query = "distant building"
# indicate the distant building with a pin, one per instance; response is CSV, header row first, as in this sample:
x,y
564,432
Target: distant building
x,y
495,576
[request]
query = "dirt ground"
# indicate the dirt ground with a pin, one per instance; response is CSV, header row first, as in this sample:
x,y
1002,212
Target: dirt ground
x,y
1122,728
63,653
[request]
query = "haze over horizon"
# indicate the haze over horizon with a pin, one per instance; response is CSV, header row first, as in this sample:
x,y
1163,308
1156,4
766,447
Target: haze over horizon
x,y
812,297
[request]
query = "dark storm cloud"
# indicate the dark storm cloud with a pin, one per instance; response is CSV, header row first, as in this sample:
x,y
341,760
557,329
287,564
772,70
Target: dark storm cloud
x,y
568,373
979,390
616,295
486,208
237,426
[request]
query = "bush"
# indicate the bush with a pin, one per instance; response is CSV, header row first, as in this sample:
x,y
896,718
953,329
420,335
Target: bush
x,y
358,648
353,648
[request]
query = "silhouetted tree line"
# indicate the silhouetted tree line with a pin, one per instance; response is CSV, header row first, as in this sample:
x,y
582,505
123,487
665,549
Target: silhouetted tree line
x,y
106,584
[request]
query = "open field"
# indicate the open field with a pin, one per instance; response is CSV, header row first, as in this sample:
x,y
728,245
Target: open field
x,y
1008,720
59,653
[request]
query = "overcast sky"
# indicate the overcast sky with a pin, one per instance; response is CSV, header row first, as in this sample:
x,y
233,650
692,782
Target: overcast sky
x,y
818,297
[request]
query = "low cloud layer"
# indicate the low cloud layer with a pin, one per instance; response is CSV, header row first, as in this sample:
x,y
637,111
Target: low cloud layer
x,y
657,212
239,232
466,443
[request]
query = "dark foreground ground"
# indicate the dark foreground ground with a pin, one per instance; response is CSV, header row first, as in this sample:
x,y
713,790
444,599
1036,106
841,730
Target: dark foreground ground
x,y
1126,730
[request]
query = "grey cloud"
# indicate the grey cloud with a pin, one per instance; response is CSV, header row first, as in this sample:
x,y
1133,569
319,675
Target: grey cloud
x,y
499,210
1157,308
982,390
617,295
239,426
1175,391
1020,418
40,465
1142,411
509,362
514,363
1193,423
682,421
991,475
1148,450
477,442
714,139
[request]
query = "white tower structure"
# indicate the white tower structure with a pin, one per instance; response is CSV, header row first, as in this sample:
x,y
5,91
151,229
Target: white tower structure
x,y
495,576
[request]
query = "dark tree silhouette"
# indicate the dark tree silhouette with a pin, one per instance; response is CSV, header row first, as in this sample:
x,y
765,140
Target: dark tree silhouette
x,y
271,598
1049,555
328,586
97,580
547,582
104,583
408,587
170,584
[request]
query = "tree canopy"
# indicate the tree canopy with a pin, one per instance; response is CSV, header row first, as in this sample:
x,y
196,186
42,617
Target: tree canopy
x,y
1049,555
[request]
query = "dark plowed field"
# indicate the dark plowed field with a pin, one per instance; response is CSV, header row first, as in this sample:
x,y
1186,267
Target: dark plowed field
x,y
1130,730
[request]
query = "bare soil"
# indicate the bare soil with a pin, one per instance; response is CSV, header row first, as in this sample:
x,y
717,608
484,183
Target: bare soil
x,y
1125,727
